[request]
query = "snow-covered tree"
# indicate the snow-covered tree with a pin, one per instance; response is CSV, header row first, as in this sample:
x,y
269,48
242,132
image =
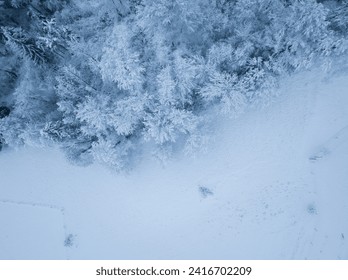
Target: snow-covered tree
x,y
103,78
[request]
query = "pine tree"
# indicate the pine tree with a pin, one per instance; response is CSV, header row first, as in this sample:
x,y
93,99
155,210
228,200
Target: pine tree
x,y
102,78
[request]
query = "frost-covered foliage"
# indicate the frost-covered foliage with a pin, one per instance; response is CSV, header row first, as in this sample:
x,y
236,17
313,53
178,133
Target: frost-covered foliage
x,y
102,78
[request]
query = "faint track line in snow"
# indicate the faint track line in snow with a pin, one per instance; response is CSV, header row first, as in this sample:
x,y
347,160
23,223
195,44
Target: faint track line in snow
x,y
33,204
308,232
304,242
330,145
308,225
42,205
343,254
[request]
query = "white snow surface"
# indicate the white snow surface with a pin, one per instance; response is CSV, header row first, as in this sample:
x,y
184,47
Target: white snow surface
x,y
277,176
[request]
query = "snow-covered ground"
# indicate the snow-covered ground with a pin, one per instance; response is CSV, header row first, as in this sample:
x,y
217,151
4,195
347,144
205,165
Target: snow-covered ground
x,y
273,185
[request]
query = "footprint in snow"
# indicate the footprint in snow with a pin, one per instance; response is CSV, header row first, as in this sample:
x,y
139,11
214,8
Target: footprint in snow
x,y
205,192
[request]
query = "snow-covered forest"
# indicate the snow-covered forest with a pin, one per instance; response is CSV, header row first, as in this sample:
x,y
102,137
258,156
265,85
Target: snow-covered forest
x,y
104,79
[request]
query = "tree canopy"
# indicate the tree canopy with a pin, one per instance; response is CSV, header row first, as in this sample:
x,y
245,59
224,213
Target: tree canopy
x,y
102,78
